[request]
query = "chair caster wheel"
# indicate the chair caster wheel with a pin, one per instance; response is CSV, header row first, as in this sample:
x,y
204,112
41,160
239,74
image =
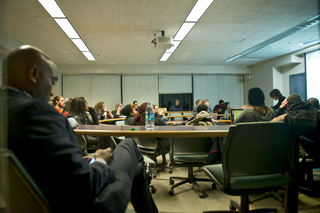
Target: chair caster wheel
x,y
171,182
282,205
232,208
170,171
214,186
154,190
171,192
201,195
154,175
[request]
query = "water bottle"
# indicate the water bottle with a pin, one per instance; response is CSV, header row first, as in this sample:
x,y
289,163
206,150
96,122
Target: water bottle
x,y
149,117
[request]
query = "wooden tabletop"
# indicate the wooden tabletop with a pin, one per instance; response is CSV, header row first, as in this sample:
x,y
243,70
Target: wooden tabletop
x,y
159,131
111,119
167,112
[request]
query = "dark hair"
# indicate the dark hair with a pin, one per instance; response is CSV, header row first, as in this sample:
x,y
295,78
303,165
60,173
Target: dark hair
x,y
135,102
77,108
202,107
221,101
67,105
314,102
275,93
55,99
224,107
294,98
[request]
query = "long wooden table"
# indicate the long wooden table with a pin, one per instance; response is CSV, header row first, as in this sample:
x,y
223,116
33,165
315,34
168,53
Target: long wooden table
x,y
159,131
111,119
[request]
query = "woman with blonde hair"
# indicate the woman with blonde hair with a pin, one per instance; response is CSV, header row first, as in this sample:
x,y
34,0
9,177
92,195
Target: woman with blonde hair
x,y
117,109
101,111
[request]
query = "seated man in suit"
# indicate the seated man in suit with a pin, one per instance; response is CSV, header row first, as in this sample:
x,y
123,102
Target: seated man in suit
x,y
44,142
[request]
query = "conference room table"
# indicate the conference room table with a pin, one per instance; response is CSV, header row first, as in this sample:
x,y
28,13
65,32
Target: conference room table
x,y
111,119
104,131
159,131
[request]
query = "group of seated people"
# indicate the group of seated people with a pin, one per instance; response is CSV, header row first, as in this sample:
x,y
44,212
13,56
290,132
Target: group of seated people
x,y
109,183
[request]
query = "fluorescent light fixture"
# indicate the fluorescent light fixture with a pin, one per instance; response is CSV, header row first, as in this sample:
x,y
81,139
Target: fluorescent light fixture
x,y
165,56
309,41
302,26
52,8
198,10
67,28
174,47
183,31
89,56
80,44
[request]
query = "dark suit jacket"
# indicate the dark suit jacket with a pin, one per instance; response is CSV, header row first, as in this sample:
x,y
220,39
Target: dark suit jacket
x,y
46,145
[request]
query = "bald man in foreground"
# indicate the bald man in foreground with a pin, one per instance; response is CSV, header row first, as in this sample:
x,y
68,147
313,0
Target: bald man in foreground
x,y
46,145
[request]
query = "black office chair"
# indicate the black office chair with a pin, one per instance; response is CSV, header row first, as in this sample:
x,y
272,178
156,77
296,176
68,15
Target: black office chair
x,y
255,159
190,152
24,194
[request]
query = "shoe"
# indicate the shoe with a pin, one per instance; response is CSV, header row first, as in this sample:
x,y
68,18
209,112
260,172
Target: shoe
x,y
164,163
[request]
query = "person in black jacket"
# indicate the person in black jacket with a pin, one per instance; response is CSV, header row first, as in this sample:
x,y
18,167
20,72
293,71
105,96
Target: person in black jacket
x,y
276,95
46,145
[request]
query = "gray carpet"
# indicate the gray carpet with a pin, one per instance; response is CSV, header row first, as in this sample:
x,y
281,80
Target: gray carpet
x,y
186,197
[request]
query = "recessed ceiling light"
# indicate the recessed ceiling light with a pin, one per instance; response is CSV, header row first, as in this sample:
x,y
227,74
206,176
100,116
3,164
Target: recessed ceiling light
x,y
67,28
309,41
198,10
89,56
52,8
165,56
183,31
80,44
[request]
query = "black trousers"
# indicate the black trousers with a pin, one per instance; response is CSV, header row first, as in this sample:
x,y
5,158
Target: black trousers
x,y
131,182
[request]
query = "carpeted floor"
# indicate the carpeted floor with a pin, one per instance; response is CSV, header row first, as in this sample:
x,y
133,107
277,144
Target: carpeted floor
x,y
186,197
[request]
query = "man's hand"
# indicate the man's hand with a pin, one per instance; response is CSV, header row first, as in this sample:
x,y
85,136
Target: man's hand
x,y
105,154
284,103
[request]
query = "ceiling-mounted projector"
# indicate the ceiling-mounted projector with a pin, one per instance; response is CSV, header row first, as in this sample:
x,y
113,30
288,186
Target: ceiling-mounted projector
x,y
162,42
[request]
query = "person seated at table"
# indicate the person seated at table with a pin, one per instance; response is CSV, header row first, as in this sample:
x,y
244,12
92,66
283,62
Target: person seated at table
x,y
302,116
136,105
100,108
130,112
67,181
276,95
176,106
206,102
225,110
79,107
194,112
202,118
219,106
67,105
58,103
158,114
116,111
163,144
314,102
257,109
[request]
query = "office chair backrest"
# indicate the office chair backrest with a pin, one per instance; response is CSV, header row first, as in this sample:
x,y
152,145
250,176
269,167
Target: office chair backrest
x,y
120,123
189,146
258,148
24,194
147,143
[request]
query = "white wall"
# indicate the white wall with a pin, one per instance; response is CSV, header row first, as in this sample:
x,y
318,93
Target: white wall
x,y
265,75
